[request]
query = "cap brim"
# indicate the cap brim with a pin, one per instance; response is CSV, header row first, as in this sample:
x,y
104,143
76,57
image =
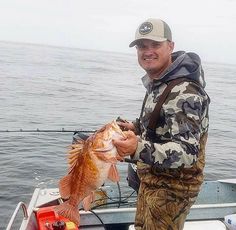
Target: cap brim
x,y
157,39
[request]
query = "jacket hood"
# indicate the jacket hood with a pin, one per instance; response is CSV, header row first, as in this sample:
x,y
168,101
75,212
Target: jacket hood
x,y
184,65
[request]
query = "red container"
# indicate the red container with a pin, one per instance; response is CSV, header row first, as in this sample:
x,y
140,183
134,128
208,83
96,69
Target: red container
x,y
48,219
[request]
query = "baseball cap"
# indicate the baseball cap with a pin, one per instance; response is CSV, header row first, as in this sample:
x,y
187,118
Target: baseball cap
x,y
152,29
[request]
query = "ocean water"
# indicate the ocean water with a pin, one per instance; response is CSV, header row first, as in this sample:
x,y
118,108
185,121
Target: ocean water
x,y
51,88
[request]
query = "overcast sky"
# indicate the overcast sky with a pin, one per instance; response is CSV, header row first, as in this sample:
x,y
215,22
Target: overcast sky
x,y
207,27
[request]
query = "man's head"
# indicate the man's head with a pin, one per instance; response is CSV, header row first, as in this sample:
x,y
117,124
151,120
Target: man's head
x,y
153,40
152,29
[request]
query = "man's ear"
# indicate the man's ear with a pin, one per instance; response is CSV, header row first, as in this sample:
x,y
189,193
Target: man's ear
x,y
171,46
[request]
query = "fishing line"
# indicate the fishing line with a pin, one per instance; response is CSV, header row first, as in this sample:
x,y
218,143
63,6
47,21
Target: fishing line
x,y
120,196
46,131
122,202
99,219
95,214
119,190
126,198
112,203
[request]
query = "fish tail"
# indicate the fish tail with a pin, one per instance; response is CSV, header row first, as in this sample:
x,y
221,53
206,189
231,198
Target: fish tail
x,y
68,211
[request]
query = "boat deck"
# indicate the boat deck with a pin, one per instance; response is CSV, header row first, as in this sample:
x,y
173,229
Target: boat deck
x,y
216,200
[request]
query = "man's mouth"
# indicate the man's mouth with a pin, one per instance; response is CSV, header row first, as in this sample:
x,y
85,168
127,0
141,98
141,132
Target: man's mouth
x,y
149,59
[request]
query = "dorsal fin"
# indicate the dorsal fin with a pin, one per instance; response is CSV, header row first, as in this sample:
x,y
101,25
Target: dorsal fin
x,y
74,153
64,186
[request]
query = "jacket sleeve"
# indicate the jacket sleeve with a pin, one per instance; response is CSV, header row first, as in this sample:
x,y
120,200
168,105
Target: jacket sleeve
x,y
183,114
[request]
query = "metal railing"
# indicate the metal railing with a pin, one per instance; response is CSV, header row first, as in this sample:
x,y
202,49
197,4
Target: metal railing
x,y
24,208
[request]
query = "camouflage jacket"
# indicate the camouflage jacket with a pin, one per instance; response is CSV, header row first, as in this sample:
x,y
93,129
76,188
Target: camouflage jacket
x,y
183,117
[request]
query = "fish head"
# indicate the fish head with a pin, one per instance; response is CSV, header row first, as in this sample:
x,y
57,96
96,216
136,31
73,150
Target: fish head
x,y
112,130
103,137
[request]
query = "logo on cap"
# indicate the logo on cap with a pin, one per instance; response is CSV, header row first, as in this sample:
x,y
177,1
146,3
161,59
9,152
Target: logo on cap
x,y
145,28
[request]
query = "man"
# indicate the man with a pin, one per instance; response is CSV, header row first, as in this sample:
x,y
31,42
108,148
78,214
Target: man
x,y
171,156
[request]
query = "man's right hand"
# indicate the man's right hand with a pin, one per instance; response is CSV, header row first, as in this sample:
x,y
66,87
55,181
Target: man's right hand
x,y
126,146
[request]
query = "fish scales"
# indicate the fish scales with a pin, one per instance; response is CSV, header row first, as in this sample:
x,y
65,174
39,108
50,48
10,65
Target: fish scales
x,y
91,162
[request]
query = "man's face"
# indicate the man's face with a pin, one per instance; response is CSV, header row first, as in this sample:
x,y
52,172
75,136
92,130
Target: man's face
x,y
154,57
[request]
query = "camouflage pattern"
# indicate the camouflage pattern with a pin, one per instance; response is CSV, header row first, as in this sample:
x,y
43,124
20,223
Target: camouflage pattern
x,y
171,167
183,119
164,201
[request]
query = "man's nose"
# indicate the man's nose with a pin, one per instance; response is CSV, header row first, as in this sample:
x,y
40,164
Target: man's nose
x,y
149,48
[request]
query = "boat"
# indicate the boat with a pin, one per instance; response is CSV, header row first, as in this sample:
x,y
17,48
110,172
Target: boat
x,y
214,209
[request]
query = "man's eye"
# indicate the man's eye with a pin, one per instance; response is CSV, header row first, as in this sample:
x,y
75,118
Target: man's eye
x,y
156,45
140,46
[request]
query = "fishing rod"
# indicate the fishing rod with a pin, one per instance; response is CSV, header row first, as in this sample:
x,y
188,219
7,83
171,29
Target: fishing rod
x,y
78,132
63,130
46,131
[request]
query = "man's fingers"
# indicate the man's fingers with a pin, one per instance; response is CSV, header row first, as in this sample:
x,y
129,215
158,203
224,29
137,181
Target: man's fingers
x,y
121,123
126,126
120,139
129,133
118,142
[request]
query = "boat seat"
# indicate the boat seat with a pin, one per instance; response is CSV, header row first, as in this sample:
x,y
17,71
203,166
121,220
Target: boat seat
x,y
200,225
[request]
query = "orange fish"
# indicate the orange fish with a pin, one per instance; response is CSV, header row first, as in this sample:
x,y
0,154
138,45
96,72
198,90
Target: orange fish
x,y
91,162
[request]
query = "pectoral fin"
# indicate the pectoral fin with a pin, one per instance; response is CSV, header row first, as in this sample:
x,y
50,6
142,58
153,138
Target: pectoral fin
x,y
113,174
106,157
88,200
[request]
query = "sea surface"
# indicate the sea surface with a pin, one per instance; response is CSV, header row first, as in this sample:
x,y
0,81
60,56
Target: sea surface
x,y
55,88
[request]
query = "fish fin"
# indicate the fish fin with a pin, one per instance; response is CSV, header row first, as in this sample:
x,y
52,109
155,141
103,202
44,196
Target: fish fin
x,y
113,174
64,186
88,200
68,211
73,154
106,158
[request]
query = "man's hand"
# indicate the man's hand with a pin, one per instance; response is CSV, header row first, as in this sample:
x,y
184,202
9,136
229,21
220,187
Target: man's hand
x,y
125,126
126,146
